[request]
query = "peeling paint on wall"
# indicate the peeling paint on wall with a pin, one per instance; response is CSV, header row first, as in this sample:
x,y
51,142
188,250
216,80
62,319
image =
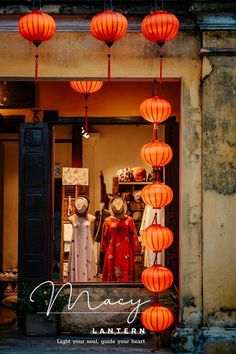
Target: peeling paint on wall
x,y
224,317
219,154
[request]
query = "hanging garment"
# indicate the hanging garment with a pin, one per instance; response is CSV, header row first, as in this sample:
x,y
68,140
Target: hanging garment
x,y
81,264
148,216
119,242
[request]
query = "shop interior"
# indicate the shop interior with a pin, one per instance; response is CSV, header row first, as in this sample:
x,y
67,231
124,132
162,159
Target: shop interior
x,y
110,149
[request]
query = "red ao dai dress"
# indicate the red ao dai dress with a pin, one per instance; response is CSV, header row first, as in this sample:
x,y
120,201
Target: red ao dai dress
x,y
119,242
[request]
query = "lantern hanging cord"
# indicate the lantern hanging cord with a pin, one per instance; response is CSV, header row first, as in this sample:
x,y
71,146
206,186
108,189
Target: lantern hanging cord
x,y
156,299
109,65
155,221
155,131
155,259
161,68
36,74
86,112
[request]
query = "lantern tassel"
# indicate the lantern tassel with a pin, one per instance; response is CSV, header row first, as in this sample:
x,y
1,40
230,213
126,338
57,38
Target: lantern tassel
x,y
86,113
109,65
161,64
36,68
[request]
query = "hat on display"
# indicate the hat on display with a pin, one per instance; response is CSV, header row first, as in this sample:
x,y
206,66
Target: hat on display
x,y
118,207
81,204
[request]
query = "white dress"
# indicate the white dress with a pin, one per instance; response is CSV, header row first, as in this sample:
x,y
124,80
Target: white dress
x,y
81,264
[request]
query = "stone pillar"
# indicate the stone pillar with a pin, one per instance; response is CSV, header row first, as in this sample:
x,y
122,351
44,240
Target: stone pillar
x,y
219,179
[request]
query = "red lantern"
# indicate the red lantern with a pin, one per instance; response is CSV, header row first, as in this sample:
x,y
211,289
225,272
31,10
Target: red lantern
x,y
86,88
156,153
157,195
157,237
37,27
155,109
160,27
157,318
108,26
157,278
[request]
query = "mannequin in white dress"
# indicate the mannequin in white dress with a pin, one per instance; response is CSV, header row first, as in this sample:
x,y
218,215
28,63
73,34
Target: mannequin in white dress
x,y
81,264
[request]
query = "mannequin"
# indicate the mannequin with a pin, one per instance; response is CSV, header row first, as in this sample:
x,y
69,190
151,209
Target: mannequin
x,y
81,264
119,242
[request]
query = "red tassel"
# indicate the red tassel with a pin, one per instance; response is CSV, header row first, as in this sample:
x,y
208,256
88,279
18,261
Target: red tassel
x,y
161,69
86,115
109,67
36,68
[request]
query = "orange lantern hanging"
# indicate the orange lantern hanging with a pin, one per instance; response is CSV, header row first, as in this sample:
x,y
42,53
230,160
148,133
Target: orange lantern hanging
x,y
86,88
160,26
37,27
157,237
156,153
155,109
157,278
157,318
109,26
157,195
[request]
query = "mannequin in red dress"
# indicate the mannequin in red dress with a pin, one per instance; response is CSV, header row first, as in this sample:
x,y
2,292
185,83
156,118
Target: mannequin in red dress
x,y
119,242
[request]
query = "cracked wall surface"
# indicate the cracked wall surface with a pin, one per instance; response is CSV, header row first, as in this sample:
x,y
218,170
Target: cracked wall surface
x,y
219,181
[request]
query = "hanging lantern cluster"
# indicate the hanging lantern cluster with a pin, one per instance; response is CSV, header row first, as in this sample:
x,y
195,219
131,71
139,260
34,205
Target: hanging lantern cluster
x,y
158,27
86,88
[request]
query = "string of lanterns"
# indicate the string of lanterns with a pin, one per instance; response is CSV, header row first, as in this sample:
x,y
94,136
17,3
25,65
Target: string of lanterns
x,y
158,27
110,26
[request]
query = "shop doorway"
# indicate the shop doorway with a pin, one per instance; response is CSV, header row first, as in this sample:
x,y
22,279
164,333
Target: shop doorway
x,y
37,168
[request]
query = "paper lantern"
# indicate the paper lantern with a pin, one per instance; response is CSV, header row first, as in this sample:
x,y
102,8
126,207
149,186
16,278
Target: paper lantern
x,y
156,153
86,88
157,318
37,27
109,26
155,109
160,26
157,278
157,237
157,195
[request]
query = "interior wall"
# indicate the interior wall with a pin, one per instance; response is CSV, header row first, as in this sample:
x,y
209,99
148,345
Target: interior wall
x,y
10,209
114,99
112,148
63,148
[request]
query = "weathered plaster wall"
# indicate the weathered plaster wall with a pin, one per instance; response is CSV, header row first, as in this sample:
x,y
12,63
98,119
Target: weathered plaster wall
x,y
78,55
219,183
